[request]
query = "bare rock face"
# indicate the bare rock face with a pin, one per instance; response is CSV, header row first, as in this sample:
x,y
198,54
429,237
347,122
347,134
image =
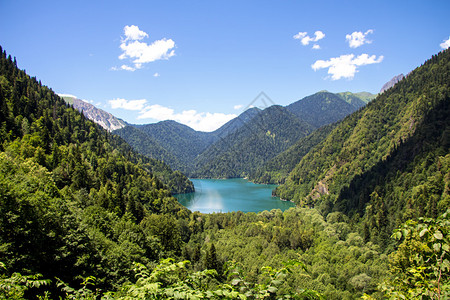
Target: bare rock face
x,y
97,115
391,82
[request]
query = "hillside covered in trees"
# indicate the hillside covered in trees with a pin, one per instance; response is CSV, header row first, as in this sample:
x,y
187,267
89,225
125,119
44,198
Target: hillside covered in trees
x,y
387,162
83,216
244,144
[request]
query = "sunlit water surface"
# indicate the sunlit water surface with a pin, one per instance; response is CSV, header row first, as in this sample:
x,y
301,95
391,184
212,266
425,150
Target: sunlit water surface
x,y
225,195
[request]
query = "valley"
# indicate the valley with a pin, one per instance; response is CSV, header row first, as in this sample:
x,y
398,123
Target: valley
x,y
88,212
243,145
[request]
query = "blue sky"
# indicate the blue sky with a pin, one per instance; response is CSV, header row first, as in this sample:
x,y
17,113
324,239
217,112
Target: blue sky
x,y
202,62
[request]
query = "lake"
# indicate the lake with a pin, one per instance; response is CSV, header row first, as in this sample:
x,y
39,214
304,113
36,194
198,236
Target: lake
x,y
226,195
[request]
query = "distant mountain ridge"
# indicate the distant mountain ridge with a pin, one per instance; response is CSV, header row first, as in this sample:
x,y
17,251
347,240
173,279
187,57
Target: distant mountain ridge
x,y
268,133
230,150
324,107
387,162
97,115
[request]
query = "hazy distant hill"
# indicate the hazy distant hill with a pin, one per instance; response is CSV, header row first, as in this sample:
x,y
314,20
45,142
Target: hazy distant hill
x,y
146,145
357,99
99,116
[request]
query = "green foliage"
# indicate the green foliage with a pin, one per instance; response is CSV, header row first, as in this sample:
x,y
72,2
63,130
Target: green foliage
x,y
72,195
276,170
339,264
170,280
386,162
80,207
17,285
420,266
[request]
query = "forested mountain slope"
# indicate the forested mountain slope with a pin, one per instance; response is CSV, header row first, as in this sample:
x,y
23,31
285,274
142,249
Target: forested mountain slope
x,y
324,108
72,195
197,154
388,161
79,207
276,170
146,145
177,144
236,123
270,132
182,141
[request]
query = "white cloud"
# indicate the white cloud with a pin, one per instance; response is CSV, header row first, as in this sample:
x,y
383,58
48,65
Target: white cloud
x,y
358,38
140,52
305,39
345,66
126,68
156,74
200,121
134,33
445,44
239,106
300,35
127,104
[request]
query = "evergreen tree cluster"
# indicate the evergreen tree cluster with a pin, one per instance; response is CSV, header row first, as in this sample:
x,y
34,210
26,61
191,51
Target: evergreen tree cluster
x,y
82,216
75,199
387,162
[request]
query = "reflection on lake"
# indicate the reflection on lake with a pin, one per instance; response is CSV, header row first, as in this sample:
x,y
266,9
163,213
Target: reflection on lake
x,y
225,195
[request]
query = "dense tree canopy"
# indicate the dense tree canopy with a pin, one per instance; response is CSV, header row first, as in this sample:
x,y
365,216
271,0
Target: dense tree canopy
x,y
387,162
82,216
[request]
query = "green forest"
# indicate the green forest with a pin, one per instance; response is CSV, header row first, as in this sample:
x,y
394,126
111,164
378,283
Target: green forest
x,y
84,216
242,146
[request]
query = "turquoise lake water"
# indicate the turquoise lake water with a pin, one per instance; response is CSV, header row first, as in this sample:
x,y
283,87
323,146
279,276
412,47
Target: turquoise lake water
x,y
226,195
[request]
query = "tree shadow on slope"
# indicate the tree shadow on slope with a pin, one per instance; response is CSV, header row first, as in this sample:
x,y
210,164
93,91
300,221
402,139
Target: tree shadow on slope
x,y
410,182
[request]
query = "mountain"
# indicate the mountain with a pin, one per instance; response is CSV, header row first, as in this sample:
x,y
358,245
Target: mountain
x,y
277,169
99,116
176,144
181,141
236,123
146,145
84,216
324,107
388,161
357,100
270,132
197,153
391,83
75,200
